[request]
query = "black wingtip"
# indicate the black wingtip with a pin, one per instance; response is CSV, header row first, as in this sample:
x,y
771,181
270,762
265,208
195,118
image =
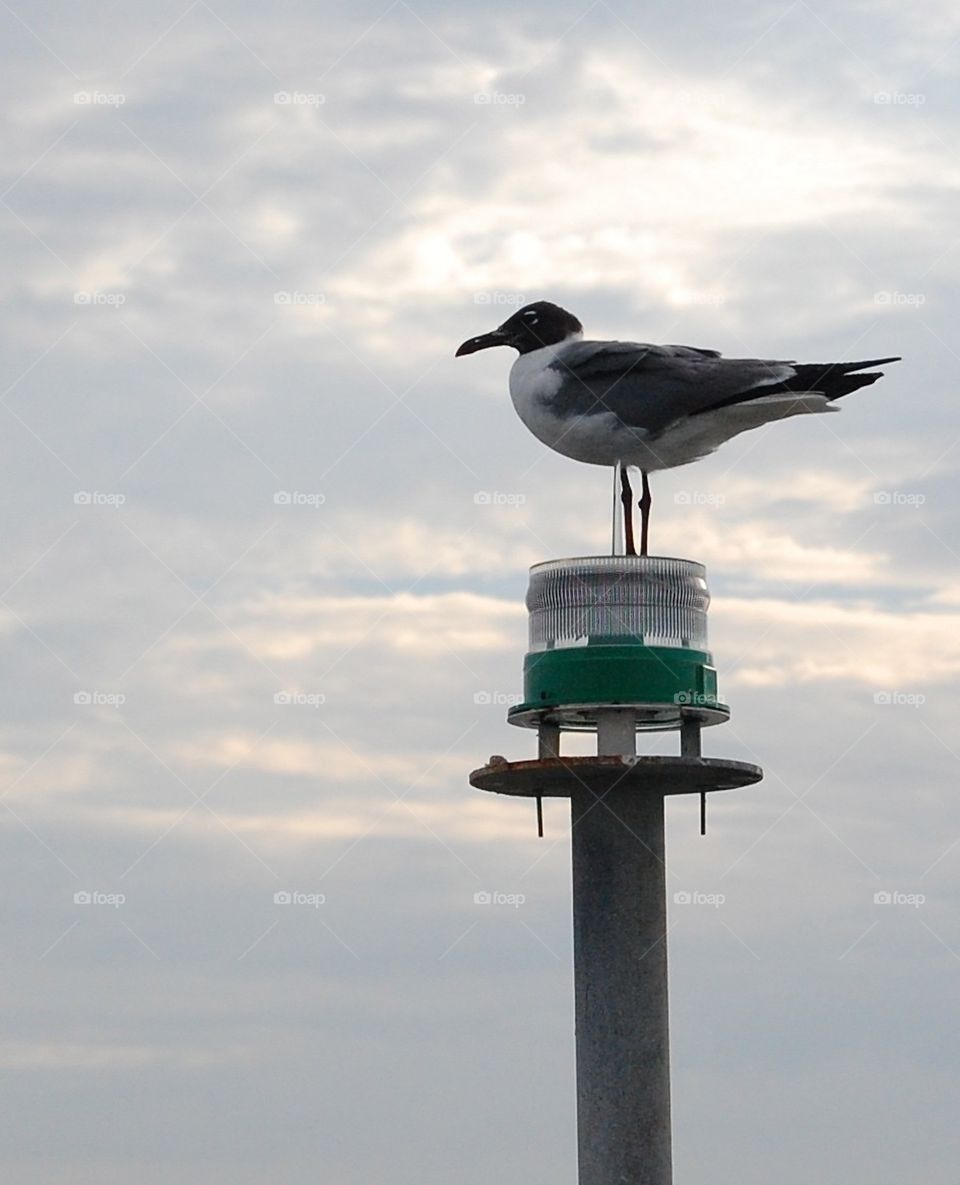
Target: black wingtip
x,y
833,379
847,367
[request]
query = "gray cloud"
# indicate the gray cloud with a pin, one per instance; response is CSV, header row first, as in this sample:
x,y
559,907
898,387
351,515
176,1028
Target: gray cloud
x,y
756,180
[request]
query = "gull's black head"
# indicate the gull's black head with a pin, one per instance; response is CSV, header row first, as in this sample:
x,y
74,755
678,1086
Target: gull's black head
x,y
535,325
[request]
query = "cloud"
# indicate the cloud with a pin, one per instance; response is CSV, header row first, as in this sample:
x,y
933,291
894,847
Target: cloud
x,y
534,225
779,642
730,181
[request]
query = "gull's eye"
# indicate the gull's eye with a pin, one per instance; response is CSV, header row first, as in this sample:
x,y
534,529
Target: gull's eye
x,y
532,317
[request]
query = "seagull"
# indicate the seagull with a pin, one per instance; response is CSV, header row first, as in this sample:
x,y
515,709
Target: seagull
x,y
653,407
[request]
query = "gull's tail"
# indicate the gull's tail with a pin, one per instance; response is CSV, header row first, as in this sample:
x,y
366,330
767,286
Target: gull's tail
x,y
833,379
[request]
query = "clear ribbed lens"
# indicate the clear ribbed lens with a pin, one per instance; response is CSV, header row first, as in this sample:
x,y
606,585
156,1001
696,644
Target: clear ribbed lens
x,y
616,600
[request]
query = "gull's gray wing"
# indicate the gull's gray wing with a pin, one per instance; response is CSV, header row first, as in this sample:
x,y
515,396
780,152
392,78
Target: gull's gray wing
x,y
649,387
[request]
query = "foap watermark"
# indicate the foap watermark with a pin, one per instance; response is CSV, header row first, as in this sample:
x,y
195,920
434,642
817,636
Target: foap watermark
x,y
98,498
112,299
501,699
891,897
99,98
902,699
95,897
694,699
299,99
498,498
898,498
695,897
302,699
498,99
493,897
899,98
298,498
901,299
290,897
698,98
699,498
105,699
300,298
511,299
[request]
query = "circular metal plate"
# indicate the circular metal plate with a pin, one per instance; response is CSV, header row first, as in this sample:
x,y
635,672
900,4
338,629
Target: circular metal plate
x,y
583,717
560,777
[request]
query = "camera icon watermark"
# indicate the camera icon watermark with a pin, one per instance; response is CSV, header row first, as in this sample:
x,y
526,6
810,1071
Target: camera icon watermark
x,y
498,498
887,897
112,299
695,897
98,498
107,699
900,299
307,699
289,897
907,699
499,99
898,498
94,897
899,98
494,897
501,699
298,498
505,299
300,298
299,99
99,98
698,498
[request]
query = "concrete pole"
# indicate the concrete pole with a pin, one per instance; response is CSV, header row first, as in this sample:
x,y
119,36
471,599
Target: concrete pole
x,y
620,968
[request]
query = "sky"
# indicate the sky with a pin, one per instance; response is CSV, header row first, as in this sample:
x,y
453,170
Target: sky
x,y
265,553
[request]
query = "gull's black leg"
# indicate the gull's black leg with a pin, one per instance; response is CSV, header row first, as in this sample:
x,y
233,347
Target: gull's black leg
x,y
645,503
626,497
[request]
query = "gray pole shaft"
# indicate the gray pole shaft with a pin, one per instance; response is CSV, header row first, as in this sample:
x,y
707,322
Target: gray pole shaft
x,y
620,955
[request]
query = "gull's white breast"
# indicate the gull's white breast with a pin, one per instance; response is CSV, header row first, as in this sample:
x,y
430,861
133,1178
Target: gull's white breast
x,y
596,439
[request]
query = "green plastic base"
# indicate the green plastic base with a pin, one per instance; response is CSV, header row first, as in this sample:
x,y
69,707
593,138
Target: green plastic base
x,y
664,682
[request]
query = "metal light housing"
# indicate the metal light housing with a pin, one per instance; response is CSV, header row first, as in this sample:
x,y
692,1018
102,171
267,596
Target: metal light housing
x,y
618,631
